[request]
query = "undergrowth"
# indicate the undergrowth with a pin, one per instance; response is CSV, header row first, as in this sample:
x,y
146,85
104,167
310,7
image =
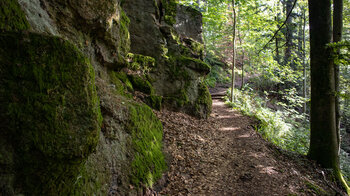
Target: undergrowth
x,y
284,128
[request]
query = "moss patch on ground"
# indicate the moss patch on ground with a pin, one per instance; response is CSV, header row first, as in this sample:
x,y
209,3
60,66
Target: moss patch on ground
x,y
49,110
12,17
147,132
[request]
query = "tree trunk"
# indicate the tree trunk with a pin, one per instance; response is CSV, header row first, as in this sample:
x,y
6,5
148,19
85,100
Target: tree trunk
x,y
277,18
242,82
337,36
323,141
304,60
233,51
289,33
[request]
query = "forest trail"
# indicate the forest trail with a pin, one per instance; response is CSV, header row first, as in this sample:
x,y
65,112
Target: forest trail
x,y
224,155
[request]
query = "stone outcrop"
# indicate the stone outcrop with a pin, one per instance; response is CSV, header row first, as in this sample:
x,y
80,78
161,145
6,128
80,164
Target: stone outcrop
x,y
171,34
189,23
70,71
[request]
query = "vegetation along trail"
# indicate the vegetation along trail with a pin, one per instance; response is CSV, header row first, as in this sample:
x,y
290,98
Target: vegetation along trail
x,y
224,155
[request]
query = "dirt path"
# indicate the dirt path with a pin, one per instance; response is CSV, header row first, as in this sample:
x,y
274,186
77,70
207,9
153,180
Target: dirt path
x,y
225,156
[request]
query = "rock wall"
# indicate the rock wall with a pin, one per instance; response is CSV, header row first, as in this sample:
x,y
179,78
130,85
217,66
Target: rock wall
x,y
171,34
70,90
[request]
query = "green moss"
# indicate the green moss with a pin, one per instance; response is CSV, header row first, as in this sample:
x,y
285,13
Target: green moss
x,y
139,62
49,109
176,68
318,190
195,64
121,83
154,101
124,41
12,17
204,102
141,84
95,174
124,78
197,48
179,99
170,7
147,132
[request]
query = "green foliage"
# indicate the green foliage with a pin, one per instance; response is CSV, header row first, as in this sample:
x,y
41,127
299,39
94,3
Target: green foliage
x,y
50,110
12,17
217,75
146,130
283,128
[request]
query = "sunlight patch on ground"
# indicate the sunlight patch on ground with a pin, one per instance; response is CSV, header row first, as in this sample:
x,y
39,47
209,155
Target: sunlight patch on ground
x,y
267,170
229,128
257,155
247,135
222,117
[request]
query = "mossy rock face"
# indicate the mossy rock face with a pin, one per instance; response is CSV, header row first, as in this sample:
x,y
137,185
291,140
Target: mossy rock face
x,y
154,101
49,111
12,17
141,84
147,132
141,63
203,104
170,7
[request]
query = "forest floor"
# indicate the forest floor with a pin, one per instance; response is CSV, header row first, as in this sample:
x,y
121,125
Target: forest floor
x,y
224,155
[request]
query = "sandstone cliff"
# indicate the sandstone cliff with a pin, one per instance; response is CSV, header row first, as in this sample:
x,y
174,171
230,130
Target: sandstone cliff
x,y
72,75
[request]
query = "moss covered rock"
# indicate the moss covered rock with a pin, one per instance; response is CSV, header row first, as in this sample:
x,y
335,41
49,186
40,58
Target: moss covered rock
x,y
147,132
141,84
12,17
141,63
49,111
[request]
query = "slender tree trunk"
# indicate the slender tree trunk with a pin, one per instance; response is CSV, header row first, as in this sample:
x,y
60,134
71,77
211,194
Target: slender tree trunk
x,y
289,33
304,60
323,141
277,18
242,82
337,37
233,50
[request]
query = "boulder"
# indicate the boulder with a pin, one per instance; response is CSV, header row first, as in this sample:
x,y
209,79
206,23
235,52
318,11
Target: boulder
x,y
49,113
